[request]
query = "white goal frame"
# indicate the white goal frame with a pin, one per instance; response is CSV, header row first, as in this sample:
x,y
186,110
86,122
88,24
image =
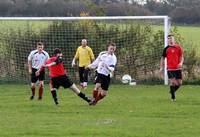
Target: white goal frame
x,y
165,19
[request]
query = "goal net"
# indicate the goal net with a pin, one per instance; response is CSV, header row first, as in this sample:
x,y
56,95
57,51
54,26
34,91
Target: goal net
x,y
140,41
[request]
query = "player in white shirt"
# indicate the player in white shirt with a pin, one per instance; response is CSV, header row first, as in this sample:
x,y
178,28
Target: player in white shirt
x,y
105,64
36,60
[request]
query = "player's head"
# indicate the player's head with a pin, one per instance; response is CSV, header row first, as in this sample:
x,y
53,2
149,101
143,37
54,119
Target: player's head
x,y
111,47
84,42
40,46
170,39
57,52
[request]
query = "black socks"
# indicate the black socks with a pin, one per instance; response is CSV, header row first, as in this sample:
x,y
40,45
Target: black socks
x,y
83,96
54,95
173,89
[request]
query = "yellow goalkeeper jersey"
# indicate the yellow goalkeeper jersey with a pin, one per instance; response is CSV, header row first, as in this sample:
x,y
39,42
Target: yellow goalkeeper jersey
x,y
84,55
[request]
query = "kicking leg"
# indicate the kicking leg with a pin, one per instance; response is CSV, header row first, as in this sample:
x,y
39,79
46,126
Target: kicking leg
x,y
79,93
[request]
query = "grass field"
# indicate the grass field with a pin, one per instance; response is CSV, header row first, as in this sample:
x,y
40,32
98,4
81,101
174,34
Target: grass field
x,y
191,36
141,111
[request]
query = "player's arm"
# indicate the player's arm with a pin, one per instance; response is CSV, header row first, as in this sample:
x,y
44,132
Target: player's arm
x,y
30,57
95,63
47,56
181,58
37,73
91,55
162,63
111,67
58,60
48,64
162,60
76,57
181,62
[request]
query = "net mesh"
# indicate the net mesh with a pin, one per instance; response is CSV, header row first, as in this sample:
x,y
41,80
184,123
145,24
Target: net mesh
x,y
139,45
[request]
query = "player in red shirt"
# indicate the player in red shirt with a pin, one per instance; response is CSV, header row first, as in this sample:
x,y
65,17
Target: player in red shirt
x,y
59,76
174,54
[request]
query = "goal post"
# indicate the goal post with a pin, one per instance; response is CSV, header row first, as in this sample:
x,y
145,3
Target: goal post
x,y
134,35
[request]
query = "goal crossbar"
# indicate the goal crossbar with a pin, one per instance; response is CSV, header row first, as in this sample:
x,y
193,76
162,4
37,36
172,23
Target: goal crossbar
x,y
84,18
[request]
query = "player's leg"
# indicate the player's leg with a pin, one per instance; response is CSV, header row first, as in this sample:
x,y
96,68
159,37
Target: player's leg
x,y
172,89
41,78
105,82
54,85
171,77
40,91
178,79
97,87
81,76
34,79
53,88
67,83
74,88
101,95
85,77
96,90
32,91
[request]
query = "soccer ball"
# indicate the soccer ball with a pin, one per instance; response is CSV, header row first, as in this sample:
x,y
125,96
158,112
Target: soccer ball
x,y
126,79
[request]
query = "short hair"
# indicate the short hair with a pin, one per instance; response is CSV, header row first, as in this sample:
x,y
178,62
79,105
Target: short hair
x,y
111,44
170,35
56,51
40,44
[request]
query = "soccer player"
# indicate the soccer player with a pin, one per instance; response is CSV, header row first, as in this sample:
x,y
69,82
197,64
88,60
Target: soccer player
x,y
174,54
59,77
85,56
105,64
36,60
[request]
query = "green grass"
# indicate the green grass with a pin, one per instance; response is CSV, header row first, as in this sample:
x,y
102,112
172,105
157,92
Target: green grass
x,y
191,37
191,34
36,26
141,111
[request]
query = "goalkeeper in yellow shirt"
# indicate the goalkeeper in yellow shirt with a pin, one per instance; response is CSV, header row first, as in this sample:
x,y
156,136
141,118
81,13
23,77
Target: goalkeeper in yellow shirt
x,y
85,56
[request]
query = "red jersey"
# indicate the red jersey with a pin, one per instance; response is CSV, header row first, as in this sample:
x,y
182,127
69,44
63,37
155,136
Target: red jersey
x,y
57,69
173,55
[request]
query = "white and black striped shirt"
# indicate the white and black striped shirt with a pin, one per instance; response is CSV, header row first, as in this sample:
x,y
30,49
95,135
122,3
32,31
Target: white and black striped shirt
x,y
38,59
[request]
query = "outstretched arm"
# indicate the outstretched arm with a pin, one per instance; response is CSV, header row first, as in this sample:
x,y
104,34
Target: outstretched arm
x,y
76,57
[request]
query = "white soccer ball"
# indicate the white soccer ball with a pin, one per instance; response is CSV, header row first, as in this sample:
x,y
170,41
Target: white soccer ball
x,y
126,79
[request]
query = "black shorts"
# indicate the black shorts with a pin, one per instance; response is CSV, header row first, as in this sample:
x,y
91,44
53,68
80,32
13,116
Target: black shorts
x,y
35,78
104,80
63,81
177,74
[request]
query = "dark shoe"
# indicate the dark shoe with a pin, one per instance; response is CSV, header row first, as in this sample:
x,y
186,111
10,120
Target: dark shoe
x,y
39,98
56,103
92,102
32,97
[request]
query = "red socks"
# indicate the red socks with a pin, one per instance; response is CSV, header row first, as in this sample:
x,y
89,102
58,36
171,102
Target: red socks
x,y
95,93
40,91
99,97
33,91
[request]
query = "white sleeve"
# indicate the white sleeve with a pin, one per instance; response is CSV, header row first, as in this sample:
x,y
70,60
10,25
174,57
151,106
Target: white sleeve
x,y
96,62
47,55
30,56
113,64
